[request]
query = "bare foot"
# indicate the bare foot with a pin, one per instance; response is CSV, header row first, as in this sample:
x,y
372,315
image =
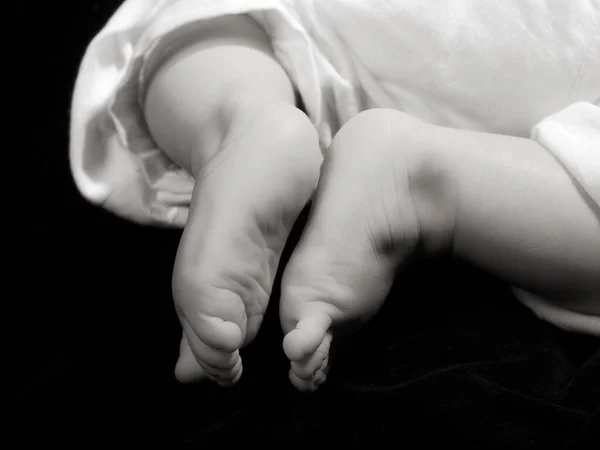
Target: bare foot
x,y
244,205
381,197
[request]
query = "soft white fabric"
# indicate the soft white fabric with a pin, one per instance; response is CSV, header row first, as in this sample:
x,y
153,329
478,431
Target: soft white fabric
x,y
113,159
561,317
519,67
573,136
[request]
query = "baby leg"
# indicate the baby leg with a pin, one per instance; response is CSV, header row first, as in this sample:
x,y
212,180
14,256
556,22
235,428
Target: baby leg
x,y
522,217
391,185
380,198
223,110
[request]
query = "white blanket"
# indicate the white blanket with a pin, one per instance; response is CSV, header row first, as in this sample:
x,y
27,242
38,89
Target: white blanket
x,y
520,67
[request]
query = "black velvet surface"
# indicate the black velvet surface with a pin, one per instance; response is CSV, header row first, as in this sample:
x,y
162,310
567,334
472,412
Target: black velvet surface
x,y
452,358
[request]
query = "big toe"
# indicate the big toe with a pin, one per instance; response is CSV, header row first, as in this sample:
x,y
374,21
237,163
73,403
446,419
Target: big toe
x,y
187,369
198,360
307,343
309,371
225,369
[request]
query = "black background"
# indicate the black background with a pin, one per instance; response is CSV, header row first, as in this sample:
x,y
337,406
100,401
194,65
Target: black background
x,y
451,359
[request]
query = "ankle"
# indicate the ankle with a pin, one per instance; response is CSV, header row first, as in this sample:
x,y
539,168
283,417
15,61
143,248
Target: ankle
x,y
229,123
434,190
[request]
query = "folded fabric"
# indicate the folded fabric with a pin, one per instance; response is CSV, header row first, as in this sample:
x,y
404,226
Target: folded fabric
x,y
518,67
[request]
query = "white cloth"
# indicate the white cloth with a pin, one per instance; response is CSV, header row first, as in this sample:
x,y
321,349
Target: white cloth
x,y
519,67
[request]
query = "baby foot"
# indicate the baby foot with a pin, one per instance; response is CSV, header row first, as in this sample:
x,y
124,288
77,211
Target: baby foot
x,y
244,205
382,196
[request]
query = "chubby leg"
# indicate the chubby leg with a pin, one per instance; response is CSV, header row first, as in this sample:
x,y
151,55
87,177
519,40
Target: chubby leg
x,y
223,110
392,185
522,218
379,200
